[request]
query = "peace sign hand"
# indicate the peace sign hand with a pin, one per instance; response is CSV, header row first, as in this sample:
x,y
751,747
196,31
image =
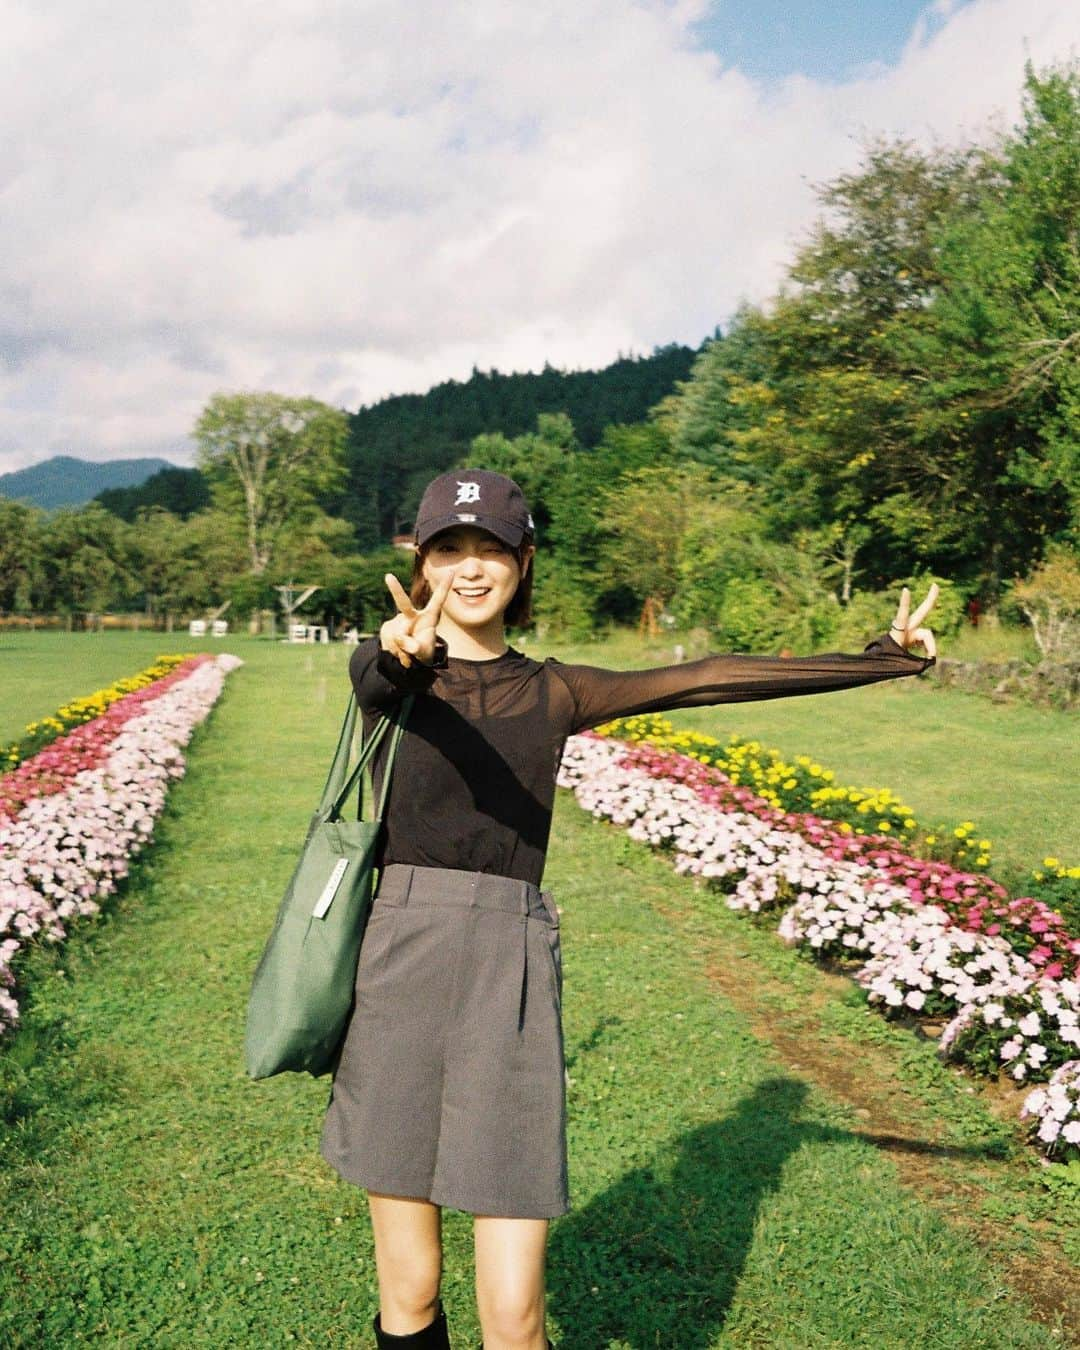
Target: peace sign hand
x,y
905,630
411,632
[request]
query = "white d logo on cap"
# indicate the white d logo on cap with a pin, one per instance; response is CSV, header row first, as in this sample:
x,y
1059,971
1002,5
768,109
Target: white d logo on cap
x,y
467,492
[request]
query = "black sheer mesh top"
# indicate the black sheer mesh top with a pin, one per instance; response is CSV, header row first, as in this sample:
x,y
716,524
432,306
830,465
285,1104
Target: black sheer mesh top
x,y
474,779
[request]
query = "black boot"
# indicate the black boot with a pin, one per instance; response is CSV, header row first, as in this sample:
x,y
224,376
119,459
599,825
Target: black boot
x,y
434,1336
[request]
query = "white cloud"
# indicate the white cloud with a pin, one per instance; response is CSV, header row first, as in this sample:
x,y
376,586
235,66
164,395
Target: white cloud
x,y
350,198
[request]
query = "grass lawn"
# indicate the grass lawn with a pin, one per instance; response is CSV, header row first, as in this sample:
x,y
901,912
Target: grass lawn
x,y
41,671
722,1198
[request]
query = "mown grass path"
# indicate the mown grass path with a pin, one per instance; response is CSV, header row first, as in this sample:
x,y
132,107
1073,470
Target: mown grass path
x,y
154,1197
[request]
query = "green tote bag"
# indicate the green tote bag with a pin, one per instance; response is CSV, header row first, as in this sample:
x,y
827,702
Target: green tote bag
x,y
303,988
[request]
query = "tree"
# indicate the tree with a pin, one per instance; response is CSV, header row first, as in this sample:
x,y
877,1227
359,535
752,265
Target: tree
x,y
268,458
536,461
181,491
1050,598
20,554
919,372
186,566
86,560
646,517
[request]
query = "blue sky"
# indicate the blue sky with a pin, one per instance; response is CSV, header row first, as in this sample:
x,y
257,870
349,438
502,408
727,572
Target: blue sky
x,y
829,40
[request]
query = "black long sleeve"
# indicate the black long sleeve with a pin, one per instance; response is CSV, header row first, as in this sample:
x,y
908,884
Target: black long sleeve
x,y
601,695
380,681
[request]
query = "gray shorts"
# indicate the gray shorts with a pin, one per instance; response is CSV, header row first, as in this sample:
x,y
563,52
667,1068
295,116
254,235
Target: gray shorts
x,y
452,1081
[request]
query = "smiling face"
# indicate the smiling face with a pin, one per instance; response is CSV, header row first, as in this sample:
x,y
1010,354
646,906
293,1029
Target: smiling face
x,y
486,574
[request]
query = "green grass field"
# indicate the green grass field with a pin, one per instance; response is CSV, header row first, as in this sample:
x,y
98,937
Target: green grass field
x,y
723,1196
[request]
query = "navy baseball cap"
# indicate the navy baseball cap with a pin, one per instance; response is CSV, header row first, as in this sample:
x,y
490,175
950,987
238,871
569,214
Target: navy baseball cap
x,y
479,497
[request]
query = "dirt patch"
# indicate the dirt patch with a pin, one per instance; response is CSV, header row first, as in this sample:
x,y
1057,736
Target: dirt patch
x,y
865,1080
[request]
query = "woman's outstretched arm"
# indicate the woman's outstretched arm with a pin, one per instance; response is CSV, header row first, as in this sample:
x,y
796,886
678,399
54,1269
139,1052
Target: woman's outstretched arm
x,y
601,695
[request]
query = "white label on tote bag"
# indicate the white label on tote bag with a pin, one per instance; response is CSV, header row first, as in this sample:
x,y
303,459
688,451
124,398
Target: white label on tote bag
x,y
330,889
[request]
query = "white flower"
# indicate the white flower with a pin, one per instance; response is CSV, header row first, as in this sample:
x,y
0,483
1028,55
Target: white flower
x,y
1049,1130
1034,1102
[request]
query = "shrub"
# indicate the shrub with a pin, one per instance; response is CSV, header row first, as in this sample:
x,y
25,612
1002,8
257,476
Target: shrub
x,y
1050,600
750,617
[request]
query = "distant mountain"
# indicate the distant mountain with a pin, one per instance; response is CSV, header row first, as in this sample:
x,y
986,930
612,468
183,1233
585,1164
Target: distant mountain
x,y
66,481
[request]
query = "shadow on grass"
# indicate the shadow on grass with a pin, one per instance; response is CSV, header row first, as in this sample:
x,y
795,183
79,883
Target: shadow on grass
x,y
656,1260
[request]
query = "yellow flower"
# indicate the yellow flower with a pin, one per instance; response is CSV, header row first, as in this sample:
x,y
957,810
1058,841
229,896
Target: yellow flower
x,y
1050,862
984,843
909,824
884,825
931,838
960,832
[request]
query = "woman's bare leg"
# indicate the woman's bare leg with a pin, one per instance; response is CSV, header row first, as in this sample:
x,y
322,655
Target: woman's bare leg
x,y
408,1259
510,1299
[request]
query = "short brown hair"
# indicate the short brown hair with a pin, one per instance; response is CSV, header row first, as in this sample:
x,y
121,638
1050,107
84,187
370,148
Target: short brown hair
x,y
518,613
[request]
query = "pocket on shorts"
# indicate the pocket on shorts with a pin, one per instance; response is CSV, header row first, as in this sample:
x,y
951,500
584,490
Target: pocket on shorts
x,y
548,901
377,941
554,944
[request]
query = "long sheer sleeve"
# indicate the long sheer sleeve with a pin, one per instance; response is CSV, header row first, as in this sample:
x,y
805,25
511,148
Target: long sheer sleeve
x,y
379,679
601,695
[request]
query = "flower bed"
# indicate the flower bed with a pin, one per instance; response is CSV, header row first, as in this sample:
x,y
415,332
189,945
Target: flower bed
x,y
38,734
930,938
73,815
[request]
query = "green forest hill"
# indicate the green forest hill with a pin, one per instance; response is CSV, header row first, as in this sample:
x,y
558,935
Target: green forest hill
x,y
906,407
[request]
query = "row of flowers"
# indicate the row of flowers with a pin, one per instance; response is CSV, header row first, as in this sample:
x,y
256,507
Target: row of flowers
x,y
73,815
804,786
922,936
37,734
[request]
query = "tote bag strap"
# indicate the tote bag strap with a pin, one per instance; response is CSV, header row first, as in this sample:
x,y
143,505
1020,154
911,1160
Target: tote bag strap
x,y
367,750
404,710
339,766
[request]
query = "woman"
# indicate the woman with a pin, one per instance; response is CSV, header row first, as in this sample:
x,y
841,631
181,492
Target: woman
x,y
451,1085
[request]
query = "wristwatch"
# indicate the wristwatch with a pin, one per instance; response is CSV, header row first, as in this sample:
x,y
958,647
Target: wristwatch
x,y
439,660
